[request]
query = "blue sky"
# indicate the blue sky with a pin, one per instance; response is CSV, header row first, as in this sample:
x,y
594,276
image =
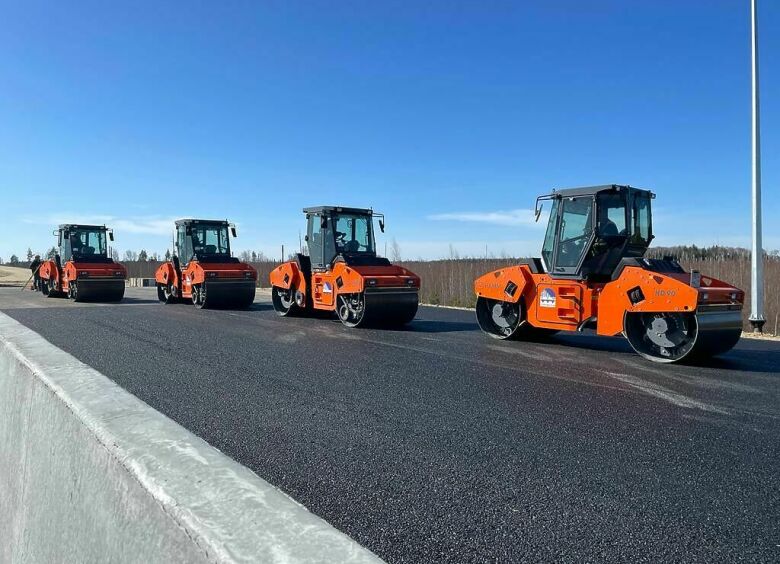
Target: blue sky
x,y
448,116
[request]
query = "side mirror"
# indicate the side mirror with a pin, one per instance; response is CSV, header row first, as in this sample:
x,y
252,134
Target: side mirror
x,y
55,233
110,235
382,225
323,222
233,230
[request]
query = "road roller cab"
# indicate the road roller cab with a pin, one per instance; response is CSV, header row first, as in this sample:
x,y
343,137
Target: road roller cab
x,y
82,269
592,273
203,270
342,272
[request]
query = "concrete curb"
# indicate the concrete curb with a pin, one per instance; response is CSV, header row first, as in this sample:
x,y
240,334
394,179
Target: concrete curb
x,y
91,473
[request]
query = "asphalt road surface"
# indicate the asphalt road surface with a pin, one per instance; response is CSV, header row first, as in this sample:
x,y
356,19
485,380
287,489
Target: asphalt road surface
x,y
439,444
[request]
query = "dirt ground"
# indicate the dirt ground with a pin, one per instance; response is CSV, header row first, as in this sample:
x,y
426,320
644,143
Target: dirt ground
x,y
13,276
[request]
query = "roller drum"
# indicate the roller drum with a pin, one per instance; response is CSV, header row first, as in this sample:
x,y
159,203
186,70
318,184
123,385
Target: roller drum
x,y
100,290
233,294
673,336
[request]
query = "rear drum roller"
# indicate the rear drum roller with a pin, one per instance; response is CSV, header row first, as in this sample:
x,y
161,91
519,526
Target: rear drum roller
x,y
73,291
165,293
283,300
351,309
199,299
501,320
51,289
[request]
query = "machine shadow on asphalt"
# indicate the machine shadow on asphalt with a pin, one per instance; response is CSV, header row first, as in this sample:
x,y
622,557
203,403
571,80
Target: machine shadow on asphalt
x,y
739,360
425,326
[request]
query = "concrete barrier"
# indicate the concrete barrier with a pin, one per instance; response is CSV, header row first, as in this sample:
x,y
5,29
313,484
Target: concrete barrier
x,y
89,473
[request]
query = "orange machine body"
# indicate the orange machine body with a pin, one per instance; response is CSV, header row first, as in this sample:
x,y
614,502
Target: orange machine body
x,y
592,273
570,305
62,279
342,272
83,269
203,269
196,273
341,279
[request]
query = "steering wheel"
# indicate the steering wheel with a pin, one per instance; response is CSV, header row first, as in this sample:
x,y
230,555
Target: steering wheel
x,y
572,244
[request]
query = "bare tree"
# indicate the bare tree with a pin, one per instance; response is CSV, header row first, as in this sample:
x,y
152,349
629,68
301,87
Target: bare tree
x,y
131,256
395,251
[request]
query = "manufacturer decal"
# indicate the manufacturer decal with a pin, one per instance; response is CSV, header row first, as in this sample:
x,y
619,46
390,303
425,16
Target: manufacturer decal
x,y
327,288
547,298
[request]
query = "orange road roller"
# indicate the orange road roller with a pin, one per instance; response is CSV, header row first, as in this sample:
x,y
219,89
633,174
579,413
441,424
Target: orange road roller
x,y
203,270
343,273
593,274
82,269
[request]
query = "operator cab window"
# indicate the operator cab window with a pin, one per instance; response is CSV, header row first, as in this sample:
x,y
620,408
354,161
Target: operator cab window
x,y
210,240
612,216
353,234
576,229
640,221
84,243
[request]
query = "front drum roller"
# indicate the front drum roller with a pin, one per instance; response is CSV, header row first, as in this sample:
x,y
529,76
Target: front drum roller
x,y
389,308
233,294
98,290
675,336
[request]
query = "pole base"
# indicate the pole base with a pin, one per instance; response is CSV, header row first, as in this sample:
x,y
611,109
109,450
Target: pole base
x,y
758,325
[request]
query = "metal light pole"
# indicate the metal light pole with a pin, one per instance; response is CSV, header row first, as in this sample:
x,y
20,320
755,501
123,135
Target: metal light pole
x,y
757,257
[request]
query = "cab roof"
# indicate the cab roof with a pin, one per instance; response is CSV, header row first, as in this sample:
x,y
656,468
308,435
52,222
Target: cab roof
x,y
338,209
205,221
593,190
64,226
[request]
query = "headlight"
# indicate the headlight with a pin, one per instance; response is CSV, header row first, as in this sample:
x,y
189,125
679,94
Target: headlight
x,y
410,282
84,274
371,281
211,274
249,275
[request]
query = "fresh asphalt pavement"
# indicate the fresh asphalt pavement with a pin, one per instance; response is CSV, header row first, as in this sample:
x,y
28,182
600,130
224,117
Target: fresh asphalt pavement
x,y
438,444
